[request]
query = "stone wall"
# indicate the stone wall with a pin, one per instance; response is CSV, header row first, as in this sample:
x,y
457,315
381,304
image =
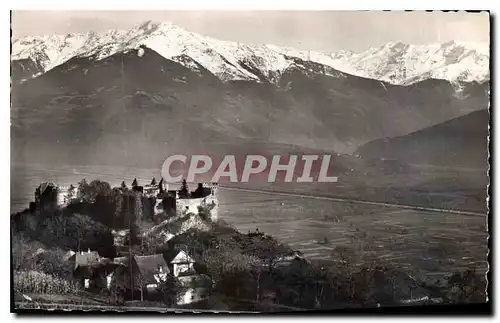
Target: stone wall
x,y
190,205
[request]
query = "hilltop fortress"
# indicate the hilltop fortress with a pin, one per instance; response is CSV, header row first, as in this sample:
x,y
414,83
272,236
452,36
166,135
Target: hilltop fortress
x,y
179,202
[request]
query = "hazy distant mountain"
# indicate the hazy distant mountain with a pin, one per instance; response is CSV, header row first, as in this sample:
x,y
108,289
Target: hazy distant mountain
x,y
462,141
395,63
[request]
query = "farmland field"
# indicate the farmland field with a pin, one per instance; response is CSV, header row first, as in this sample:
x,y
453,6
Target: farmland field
x,y
430,242
427,243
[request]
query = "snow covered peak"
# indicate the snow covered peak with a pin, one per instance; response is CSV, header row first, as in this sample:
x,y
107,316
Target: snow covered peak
x,y
394,62
400,63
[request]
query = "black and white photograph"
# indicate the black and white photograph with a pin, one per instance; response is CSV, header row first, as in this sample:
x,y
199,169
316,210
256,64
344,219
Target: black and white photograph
x,y
252,161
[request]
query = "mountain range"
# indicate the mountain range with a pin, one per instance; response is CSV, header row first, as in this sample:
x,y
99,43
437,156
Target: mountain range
x,y
133,97
394,62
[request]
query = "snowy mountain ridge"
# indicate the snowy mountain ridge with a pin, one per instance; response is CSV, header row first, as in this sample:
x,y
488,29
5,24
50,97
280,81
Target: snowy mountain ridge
x,y
395,62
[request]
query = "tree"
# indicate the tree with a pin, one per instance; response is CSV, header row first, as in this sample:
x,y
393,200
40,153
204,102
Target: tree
x,y
171,289
71,194
141,282
184,191
88,192
467,286
98,187
264,247
205,210
22,252
83,190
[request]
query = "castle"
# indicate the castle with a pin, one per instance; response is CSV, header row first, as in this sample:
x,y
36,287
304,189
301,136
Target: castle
x,y
179,202
182,201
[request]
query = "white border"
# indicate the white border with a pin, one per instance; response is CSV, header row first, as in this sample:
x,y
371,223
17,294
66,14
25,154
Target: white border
x,y
185,4
256,5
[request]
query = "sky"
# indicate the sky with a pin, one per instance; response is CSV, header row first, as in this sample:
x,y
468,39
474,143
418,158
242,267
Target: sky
x,y
325,31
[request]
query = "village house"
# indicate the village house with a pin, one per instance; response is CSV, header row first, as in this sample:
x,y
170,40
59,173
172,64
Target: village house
x,y
144,273
83,266
179,262
149,272
92,271
195,287
120,241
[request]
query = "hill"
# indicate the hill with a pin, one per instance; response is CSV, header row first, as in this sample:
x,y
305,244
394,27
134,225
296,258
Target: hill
x,y
460,142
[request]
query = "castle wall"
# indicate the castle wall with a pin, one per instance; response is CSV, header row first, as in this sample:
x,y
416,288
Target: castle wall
x,y
190,205
158,206
61,197
62,194
213,199
187,205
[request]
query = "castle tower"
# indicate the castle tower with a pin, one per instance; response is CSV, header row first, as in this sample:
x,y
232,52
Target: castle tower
x,y
163,186
152,190
212,199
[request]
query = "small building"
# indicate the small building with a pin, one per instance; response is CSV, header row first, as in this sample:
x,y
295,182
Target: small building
x,y
179,262
195,287
144,274
148,272
120,239
151,271
84,266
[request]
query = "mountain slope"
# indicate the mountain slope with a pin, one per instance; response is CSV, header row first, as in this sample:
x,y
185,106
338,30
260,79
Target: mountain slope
x,y
462,141
395,63
137,107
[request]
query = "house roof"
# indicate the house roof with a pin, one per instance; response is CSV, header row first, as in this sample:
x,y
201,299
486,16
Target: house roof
x,y
121,233
175,256
120,261
68,255
85,258
149,265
